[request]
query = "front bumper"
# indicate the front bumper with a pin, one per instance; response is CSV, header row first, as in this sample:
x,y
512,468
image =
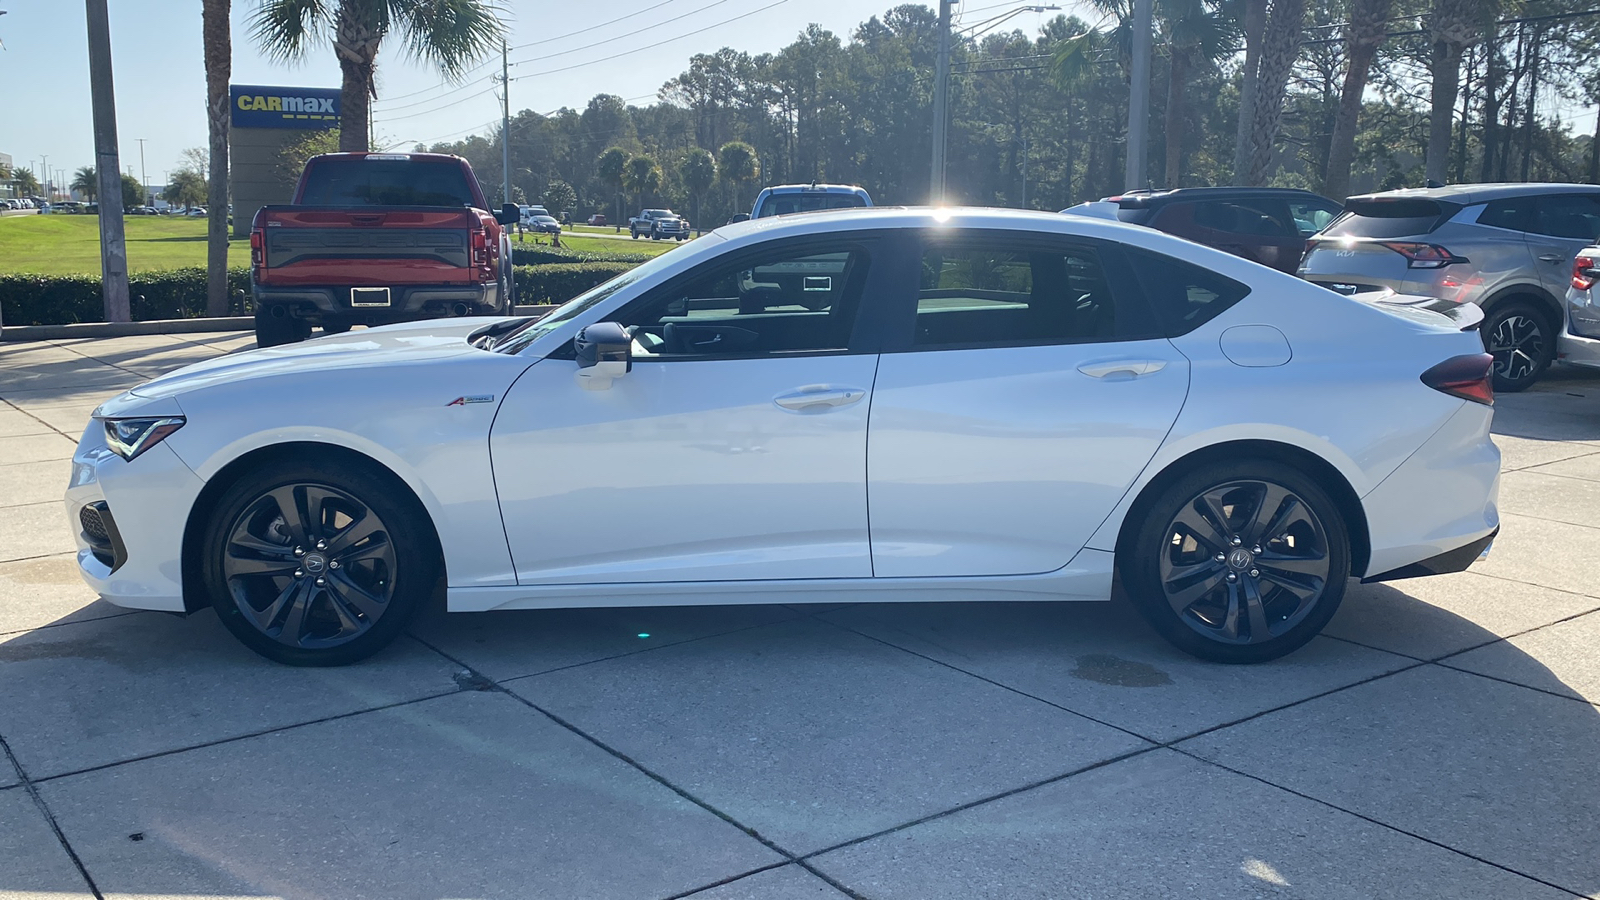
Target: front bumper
x,y
144,507
407,302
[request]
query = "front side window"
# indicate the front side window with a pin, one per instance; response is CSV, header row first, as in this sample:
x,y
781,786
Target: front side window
x,y
1568,216
1256,218
782,300
985,293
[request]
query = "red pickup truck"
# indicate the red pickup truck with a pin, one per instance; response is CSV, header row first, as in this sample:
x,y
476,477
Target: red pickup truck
x,y
374,238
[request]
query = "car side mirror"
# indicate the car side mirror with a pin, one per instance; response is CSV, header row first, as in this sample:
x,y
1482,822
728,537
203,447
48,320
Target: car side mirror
x,y
604,352
509,214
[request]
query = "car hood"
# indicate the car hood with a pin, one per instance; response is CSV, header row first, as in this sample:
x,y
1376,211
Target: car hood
x,y
408,342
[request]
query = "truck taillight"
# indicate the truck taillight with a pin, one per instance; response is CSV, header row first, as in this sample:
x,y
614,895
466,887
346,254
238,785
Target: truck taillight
x,y
257,249
1584,272
480,248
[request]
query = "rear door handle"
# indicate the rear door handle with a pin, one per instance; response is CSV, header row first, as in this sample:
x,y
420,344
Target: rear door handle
x,y
1552,257
818,397
1122,369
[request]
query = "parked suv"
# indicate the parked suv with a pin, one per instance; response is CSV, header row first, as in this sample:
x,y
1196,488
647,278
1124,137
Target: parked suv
x,y
1579,343
1265,225
1507,247
787,199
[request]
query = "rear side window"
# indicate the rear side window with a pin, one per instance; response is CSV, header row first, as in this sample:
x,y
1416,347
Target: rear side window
x,y
788,204
1184,296
1257,218
1390,218
386,182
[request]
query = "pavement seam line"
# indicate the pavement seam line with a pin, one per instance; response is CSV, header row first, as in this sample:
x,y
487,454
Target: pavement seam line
x,y
53,429
729,880
1377,822
1468,649
32,790
618,754
1507,681
102,362
241,737
117,615
1551,462
1545,587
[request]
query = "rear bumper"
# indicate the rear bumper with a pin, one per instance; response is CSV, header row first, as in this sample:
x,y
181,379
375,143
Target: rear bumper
x,y
1456,560
407,302
1578,350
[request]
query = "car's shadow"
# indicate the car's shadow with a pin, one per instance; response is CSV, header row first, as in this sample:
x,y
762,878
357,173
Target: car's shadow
x,y
1499,765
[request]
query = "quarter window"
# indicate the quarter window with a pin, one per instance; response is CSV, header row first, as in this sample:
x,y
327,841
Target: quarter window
x,y
986,294
1184,296
1512,213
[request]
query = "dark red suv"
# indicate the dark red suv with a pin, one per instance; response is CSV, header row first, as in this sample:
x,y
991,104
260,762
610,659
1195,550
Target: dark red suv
x,y
1267,225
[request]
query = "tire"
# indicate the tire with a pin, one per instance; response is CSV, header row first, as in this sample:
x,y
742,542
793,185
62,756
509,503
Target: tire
x,y
1171,571
633,234
335,327
1522,341
379,561
272,331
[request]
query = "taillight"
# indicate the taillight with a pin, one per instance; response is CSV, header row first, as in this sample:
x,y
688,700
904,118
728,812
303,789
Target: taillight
x,y
1583,272
1469,377
1423,256
480,248
257,249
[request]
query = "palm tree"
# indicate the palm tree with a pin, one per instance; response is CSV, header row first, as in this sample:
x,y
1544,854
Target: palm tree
x,y
86,182
27,182
698,171
1197,33
1366,31
1253,25
450,34
1280,47
739,165
642,177
1451,25
217,36
611,166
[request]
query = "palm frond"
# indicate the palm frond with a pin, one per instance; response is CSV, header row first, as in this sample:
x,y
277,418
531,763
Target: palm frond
x,y
283,29
451,34
1074,59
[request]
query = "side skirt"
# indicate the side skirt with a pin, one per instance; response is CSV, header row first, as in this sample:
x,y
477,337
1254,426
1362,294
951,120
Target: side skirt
x,y
1086,577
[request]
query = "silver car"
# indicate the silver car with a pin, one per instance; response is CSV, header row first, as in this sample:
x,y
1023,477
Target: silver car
x,y
1507,247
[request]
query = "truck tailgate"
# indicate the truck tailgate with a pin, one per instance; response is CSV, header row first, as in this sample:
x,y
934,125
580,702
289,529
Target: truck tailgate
x,y
322,245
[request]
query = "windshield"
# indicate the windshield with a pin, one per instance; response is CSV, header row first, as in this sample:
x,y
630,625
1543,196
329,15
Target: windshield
x,y
1389,218
386,182
538,328
787,204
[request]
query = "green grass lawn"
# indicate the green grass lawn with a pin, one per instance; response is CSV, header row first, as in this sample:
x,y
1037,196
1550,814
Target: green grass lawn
x,y
70,245
601,245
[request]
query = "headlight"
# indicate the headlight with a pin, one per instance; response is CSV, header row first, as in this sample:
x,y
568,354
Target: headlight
x,y
131,437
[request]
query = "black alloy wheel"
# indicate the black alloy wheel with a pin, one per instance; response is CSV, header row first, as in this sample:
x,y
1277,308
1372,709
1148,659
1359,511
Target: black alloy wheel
x,y
1521,341
317,564
1240,563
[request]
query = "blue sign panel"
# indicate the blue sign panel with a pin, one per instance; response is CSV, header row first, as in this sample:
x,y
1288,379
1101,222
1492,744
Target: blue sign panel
x,y
255,106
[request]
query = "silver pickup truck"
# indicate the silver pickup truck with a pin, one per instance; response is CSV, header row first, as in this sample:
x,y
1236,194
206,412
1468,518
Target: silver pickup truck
x,y
658,225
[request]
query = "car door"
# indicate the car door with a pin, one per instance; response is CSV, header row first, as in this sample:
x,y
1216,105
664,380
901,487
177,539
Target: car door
x,y
734,448
1562,225
1022,390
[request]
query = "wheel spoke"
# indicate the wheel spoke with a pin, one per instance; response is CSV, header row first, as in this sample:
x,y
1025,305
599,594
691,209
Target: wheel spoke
x,y
294,624
245,565
1200,527
358,597
357,531
1305,587
1301,565
1186,584
264,618
1273,507
257,545
1230,620
1255,611
294,519
316,502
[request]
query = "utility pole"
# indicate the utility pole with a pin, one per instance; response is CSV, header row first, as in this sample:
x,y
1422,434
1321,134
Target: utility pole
x,y
44,172
1139,101
1024,172
941,102
113,245
505,122
144,176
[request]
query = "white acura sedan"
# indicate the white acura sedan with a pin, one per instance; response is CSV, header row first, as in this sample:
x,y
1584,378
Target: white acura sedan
x,y
873,405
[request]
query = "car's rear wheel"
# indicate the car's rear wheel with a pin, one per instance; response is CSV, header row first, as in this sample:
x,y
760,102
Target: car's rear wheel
x,y
1238,562
314,563
272,330
1522,341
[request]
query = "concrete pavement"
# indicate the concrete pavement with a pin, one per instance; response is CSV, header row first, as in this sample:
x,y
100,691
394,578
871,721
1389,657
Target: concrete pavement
x,y
1440,740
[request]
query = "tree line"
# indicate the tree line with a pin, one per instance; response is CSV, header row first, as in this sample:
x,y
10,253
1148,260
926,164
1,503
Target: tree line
x,y
1337,96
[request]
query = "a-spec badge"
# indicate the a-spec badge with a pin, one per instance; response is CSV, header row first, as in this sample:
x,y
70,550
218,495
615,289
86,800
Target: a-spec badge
x,y
472,398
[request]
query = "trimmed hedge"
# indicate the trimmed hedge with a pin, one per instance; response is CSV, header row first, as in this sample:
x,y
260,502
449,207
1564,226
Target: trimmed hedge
x,y
543,255
65,299
181,293
560,282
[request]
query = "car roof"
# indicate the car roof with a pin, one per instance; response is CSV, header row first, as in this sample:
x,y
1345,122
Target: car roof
x,y
1149,198
1467,194
814,189
927,217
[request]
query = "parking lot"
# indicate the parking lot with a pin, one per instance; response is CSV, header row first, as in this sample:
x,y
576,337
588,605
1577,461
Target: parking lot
x,y
1442,738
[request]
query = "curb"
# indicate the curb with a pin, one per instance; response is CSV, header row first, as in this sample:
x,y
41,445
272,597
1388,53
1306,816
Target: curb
x,y
155,326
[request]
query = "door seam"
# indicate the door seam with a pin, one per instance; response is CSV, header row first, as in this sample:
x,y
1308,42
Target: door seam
x,y
866,465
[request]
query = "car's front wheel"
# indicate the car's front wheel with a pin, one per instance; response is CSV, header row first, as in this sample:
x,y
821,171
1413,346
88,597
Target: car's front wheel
x,y
1238,562
311,562
1520,338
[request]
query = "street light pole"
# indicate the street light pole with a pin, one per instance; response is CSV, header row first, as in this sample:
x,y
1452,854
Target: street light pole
x,y
941,102
113,243
1139,99
505,122
144,176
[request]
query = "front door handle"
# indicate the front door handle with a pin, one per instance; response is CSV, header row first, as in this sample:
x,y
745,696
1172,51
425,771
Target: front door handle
x,y
1552,257
1122,369
819,397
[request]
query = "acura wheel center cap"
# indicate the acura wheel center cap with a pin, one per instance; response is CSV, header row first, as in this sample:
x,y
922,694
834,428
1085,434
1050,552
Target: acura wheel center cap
x,y
314,563
1239,558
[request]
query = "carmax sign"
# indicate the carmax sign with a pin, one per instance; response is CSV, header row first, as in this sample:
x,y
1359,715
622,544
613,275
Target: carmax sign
x,y
255,106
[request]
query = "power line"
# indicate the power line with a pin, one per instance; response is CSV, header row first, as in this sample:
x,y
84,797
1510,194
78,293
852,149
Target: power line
x,y
428,112
456,90
619,37
652,46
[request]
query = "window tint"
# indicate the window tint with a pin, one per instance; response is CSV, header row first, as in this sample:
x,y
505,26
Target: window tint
x,y
1184,296
386,182
1262,219
986,294
786,300
1310,217
788,204
1568,216
1390,218
1514,213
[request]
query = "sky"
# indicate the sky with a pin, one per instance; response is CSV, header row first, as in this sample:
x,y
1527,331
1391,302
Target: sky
x,y
160,77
